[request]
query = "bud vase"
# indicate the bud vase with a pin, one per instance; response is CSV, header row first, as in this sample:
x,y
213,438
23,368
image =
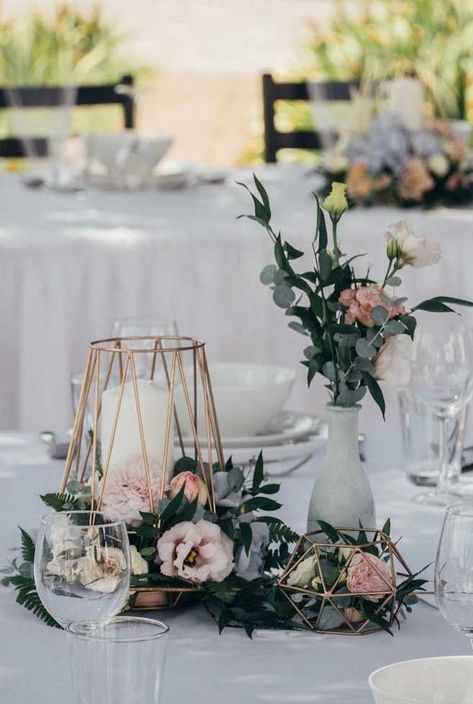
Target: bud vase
x,y
342,493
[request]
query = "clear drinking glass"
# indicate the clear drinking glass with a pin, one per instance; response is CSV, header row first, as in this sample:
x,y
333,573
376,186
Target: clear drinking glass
x,y
454,569
143,327
442,375
120,661
420,440
82,566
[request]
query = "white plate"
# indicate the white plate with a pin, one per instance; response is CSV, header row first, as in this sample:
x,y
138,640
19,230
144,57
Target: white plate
x,y
287,426
289,452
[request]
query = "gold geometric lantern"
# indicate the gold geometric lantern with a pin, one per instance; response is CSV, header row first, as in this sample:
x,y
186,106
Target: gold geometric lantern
x,y
332,586
145,403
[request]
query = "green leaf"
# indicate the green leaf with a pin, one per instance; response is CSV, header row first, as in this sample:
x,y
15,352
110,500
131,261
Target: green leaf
x,y
365,349
225,618
148,553
149,518
258,474
267,275
27,596
394,281
292,252
411,323
395,327
259,503
331,533
173,505
283,296
321,227
386,529
453,301
246,536
363,365
61,502
235,479
269,488
264,196
314,365
379,314
311,351
185,464
325,264
433,306
27,546
375,391
329,371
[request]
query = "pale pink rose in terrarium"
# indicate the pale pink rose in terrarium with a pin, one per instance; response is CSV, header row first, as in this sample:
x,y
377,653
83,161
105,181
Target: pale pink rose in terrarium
x,y
367,573
199,552
194,487
126,490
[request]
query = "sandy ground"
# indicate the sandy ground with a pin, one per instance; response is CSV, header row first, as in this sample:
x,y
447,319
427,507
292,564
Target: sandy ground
x,y
209,55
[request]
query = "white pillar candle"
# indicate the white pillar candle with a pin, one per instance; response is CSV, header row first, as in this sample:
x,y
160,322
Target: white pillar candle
x,y
127,441
406,97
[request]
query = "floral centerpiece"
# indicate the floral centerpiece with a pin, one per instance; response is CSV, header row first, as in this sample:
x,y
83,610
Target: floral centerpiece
x,y
358,333
392,165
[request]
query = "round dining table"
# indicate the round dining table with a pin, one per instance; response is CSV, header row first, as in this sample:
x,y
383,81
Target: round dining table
x,y
72,263
274,667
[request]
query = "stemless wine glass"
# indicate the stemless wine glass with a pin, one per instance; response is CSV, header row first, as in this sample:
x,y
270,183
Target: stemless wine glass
x,y
82,566
118,661
442,377
454,569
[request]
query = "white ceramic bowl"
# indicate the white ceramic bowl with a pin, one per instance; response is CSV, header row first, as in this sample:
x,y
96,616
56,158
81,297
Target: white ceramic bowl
x,y
113,150
247,396
445,680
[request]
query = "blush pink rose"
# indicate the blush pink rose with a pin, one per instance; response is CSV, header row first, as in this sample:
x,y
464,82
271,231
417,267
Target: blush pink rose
x,y
360,302
194,487
367,573
199,552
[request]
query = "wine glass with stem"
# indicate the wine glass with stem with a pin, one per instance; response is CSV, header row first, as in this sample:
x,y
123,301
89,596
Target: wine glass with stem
x,y
454,569
442,378
82,566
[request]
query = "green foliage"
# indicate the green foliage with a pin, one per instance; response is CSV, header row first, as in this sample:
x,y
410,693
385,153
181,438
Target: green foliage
x,y
27,596
61,502
27,546
385,38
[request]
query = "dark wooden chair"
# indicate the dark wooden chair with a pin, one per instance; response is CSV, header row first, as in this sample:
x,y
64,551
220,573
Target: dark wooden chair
x,y
274,140
120,93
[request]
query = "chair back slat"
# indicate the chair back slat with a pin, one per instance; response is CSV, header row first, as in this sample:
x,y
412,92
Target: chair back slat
x,y
275,140
120,93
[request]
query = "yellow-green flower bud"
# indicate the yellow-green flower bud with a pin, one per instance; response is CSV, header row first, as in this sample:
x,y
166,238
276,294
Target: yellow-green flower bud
x,y
392,250
336,202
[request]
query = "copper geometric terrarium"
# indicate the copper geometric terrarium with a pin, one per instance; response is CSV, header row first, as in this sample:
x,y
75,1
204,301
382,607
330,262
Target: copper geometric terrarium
x,y
345,587
145,402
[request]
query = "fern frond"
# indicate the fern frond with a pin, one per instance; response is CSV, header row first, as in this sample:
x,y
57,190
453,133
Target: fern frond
x,y
27,596
61,502
27,546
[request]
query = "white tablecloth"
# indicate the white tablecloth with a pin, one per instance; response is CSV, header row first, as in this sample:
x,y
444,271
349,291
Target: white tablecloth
x,y
202,666
70,264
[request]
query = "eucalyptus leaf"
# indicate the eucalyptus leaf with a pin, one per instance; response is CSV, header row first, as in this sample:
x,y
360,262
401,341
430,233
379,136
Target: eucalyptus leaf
x,y
298,327
395,327
329,371
380,315
394,281
311,351
365,349
267,275
330,618
283,296
235,479
279,276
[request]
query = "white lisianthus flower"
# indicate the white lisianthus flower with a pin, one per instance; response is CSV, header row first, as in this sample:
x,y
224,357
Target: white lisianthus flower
x,y
393,361
138,563
412,249
438,164
303,574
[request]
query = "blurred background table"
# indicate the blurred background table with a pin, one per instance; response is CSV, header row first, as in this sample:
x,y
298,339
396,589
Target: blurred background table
x,y
71,264
274,667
